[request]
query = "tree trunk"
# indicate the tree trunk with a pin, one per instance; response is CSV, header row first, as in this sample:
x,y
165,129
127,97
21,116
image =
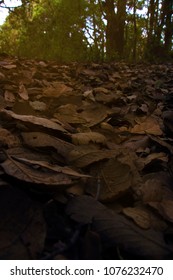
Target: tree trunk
x,y
110,29
151,16
160,30
121,17
135,31
115,28
169,25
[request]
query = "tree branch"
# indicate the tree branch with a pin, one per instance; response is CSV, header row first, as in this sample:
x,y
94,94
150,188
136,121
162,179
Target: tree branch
x,y
4,6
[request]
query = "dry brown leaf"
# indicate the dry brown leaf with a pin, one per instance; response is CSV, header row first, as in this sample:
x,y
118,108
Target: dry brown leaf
x,y
153,156
94,114
83,156
162,142
88,137
34,120
56,89
30,154
8,139
10,66
9,96
105,98
38,139
89,72
165,208
137,142
65,125
76,189
33,173
113,179
99,90
43,164
118,230
139,216
130,158
88,94
68,113
2,76
107,127
114,229
149,126
154,190
38,106
151,190
23,91
144,108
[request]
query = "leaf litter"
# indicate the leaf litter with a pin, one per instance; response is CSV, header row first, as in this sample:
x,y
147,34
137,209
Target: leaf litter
x,y
86,165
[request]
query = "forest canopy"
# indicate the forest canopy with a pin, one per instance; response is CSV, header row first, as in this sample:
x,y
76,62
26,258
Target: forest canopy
x,y
89,30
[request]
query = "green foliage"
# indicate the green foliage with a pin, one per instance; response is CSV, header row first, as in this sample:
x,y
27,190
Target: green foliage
x,y
50,30
80,30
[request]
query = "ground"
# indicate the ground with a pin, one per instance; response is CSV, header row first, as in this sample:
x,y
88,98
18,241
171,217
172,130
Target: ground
x,y
86,160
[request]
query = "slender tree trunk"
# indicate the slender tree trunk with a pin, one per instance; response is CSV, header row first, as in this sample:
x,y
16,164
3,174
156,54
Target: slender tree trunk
x,y
151,16
169,25
110,29
115,28
121,17
160,28
135,31
95,35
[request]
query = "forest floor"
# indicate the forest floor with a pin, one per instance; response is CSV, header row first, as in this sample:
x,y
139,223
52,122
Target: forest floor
x,y
86,165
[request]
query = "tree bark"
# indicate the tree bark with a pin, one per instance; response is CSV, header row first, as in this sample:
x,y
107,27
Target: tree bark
x,y
169,25
115,28
110,29
121,17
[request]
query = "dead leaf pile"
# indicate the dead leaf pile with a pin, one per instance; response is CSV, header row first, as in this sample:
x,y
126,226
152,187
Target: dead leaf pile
x,y
86,160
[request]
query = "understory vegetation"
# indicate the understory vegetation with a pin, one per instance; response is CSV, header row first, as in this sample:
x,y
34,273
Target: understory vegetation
x,y
89,30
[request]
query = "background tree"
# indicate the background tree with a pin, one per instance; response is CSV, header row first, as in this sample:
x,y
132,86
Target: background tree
x,y
95,30
160,28
49,29
89,30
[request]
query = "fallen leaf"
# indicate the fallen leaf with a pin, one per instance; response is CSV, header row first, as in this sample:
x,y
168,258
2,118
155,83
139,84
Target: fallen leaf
x,y
56,89
9,66
149,126
154,190
34,120
8,139
116,230
38,106
82,156
38,140
139,216
36,174
115,179
68,113
165,208
23,92
9,96
43,164
153,157
88,137
94,114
